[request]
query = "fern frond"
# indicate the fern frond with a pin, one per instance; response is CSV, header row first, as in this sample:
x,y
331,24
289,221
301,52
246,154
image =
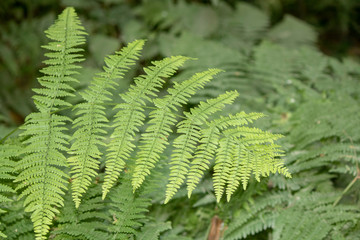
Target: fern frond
x,y
67,34
8,151
16,222
222,165
151,231
264,221
255,154
127,210
209,142
92,119
185,144
130,116
238,169
154,139
261,215
41,174
314,217
336,155
87,222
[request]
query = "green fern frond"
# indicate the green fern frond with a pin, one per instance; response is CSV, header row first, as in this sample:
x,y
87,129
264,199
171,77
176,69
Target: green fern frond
x,y
255,154
325,118
302,216
185,144
127,210
87,222
67,34
252,221
16,222
130,116
336,155
222,165
8,151
151,231
265,220
238,169
313,216
92,119
41,175
209,142
154,139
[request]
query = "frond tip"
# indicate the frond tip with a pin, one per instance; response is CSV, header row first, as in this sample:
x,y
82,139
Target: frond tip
x,y
244,151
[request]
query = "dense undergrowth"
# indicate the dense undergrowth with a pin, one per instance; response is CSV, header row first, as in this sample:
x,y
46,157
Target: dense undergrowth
x,y
310,98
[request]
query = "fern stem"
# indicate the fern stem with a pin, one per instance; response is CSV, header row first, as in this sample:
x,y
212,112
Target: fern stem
x,y
347,189
9,134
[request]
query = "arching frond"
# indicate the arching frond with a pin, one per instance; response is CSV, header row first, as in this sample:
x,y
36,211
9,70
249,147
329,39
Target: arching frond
x,y
41,175
154,139
130,115
255,154
185,144
209,141
92,119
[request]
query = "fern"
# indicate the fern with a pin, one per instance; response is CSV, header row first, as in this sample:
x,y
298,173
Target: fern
x,y
92,120
88,221
16,223
208,144
203,137
127,210
154,139
41,175
314,217
130,116
244,151
8,150
302,216
151,231
248,222
190,135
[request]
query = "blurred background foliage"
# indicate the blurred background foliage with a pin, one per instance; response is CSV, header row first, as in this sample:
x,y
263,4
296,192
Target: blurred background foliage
x,y
170,27
294,60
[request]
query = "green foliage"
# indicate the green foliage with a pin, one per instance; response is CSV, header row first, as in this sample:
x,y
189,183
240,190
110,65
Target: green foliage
x,y
152,231
127,210
8,151
92,120
88,221
40,175
16,223
42,171
309,216
179,123
131,117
